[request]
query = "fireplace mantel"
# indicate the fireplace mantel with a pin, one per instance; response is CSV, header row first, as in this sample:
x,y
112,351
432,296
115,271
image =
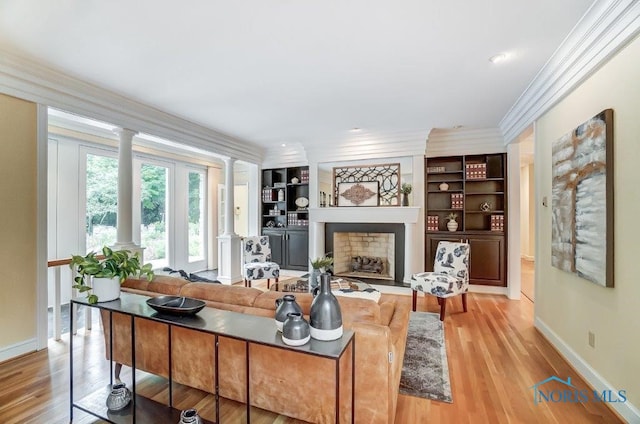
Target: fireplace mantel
x,y
407,215
381,214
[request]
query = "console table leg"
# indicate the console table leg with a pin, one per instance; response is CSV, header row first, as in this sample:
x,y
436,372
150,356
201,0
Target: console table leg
x,y
248,398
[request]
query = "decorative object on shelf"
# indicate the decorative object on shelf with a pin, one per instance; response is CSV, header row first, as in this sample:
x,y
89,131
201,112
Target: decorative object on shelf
x,y
325,315
318,267
302,202
190,416
295,331
435,169
387,175
323,199
364,193
485,206
443,186
281,195
119,397
295,180
284,306
176,305
278,185
106,273
271,224
405,189
452,225
582,201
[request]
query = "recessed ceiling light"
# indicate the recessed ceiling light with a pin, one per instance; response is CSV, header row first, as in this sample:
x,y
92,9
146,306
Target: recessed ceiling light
x,y
498,58
283,145
355,130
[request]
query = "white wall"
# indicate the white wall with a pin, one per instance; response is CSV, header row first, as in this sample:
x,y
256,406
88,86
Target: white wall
x,y
568,307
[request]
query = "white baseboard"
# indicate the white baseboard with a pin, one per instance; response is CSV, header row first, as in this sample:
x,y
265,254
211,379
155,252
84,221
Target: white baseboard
x,y
17,349
626,410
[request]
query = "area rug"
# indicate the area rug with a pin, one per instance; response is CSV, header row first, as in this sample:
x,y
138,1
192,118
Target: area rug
x,y
425,371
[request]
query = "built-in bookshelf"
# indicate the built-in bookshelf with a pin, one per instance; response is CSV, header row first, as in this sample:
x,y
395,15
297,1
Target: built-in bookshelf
x,y
474,188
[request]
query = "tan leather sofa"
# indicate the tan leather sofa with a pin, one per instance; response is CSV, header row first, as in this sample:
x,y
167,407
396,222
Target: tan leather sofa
x,y
380,334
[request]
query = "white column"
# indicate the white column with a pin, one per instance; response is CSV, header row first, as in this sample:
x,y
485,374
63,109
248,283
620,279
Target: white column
x,y
513,225
229,244
125,191
409,252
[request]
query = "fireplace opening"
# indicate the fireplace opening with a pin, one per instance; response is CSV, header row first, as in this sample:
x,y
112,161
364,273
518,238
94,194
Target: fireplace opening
x,y
364,255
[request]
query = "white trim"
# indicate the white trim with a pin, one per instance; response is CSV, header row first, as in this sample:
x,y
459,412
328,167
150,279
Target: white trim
x,y
514,272
606,28
17,349
41,228
30,80
627,410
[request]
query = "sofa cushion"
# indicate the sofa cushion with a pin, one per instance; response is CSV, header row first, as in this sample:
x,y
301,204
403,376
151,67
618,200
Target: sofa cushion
x,y
160,284
386,312
234,295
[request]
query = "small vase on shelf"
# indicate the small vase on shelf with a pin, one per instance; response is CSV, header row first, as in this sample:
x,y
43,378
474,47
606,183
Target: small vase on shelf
x,y
452,225
190,416
443,186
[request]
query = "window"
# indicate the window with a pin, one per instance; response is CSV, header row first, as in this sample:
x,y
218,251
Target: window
x,y
196,216
102,201
153,213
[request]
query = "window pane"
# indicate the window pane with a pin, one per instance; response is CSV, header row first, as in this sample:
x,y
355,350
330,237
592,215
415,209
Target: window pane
x,y
102,201
196,216
153,199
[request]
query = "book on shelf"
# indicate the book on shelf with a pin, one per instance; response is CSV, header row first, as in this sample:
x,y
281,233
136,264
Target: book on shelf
x,y
457,201
476,171
431,169
432,222
497,222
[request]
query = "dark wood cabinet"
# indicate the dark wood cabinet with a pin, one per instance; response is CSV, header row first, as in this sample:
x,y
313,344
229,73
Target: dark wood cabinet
x,y
474,188
285,215
289,248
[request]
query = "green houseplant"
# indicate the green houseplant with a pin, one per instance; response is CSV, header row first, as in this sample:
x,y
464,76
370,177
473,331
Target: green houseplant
x,y
319,266
405,189
114,265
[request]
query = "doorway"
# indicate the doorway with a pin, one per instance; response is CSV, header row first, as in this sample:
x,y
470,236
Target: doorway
x,y
527,215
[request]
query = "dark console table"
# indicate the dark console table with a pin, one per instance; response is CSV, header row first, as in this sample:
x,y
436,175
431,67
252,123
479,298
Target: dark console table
x,y
252,330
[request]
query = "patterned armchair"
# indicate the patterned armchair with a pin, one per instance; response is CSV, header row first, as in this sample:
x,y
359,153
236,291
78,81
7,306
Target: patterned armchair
x,y
257,261
450,276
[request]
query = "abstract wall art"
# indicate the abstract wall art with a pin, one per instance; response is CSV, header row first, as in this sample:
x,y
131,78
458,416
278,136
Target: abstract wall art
x,y
582,200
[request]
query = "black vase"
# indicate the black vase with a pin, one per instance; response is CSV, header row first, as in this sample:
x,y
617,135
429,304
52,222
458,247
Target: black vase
x,y
325,315
284,306
190,416
405,199
295,331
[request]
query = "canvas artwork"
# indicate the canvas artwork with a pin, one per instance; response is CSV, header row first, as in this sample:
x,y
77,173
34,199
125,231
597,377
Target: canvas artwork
x,y
364,193
582,200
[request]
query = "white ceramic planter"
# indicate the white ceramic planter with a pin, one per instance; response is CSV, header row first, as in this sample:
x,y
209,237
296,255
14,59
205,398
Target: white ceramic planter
x,y
106,289
452,225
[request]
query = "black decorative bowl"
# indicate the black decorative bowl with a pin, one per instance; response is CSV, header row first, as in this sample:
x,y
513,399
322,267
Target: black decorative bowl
x,y
176,305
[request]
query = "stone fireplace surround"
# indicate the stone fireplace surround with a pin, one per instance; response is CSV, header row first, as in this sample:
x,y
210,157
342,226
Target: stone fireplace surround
x,y
396,229
404,220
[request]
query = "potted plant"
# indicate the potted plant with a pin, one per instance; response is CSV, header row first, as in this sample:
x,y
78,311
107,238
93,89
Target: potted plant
x,y
319,266
405,189
452,225
102,275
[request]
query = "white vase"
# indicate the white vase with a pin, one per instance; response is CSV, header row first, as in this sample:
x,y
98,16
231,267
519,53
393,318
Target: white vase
x,y
106,289
444,186
452,225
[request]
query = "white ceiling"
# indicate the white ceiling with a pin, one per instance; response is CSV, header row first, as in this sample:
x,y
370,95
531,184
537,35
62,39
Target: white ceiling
x,y
283,71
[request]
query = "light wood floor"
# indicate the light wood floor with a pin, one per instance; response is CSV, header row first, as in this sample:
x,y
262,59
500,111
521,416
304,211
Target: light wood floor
x,y
527,281
495,356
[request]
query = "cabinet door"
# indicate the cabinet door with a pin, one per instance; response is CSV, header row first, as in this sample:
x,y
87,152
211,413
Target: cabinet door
x,y
487,259
297,250
276,242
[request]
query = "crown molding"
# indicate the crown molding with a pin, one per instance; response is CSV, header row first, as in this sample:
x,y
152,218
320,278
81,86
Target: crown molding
x,y
606,28
26,79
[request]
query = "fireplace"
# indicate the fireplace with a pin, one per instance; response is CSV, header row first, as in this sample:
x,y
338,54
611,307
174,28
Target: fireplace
x,y
367,250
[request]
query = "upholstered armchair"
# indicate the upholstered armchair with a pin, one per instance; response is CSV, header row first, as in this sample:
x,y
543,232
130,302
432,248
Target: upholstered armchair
x,y
450,276
257,263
